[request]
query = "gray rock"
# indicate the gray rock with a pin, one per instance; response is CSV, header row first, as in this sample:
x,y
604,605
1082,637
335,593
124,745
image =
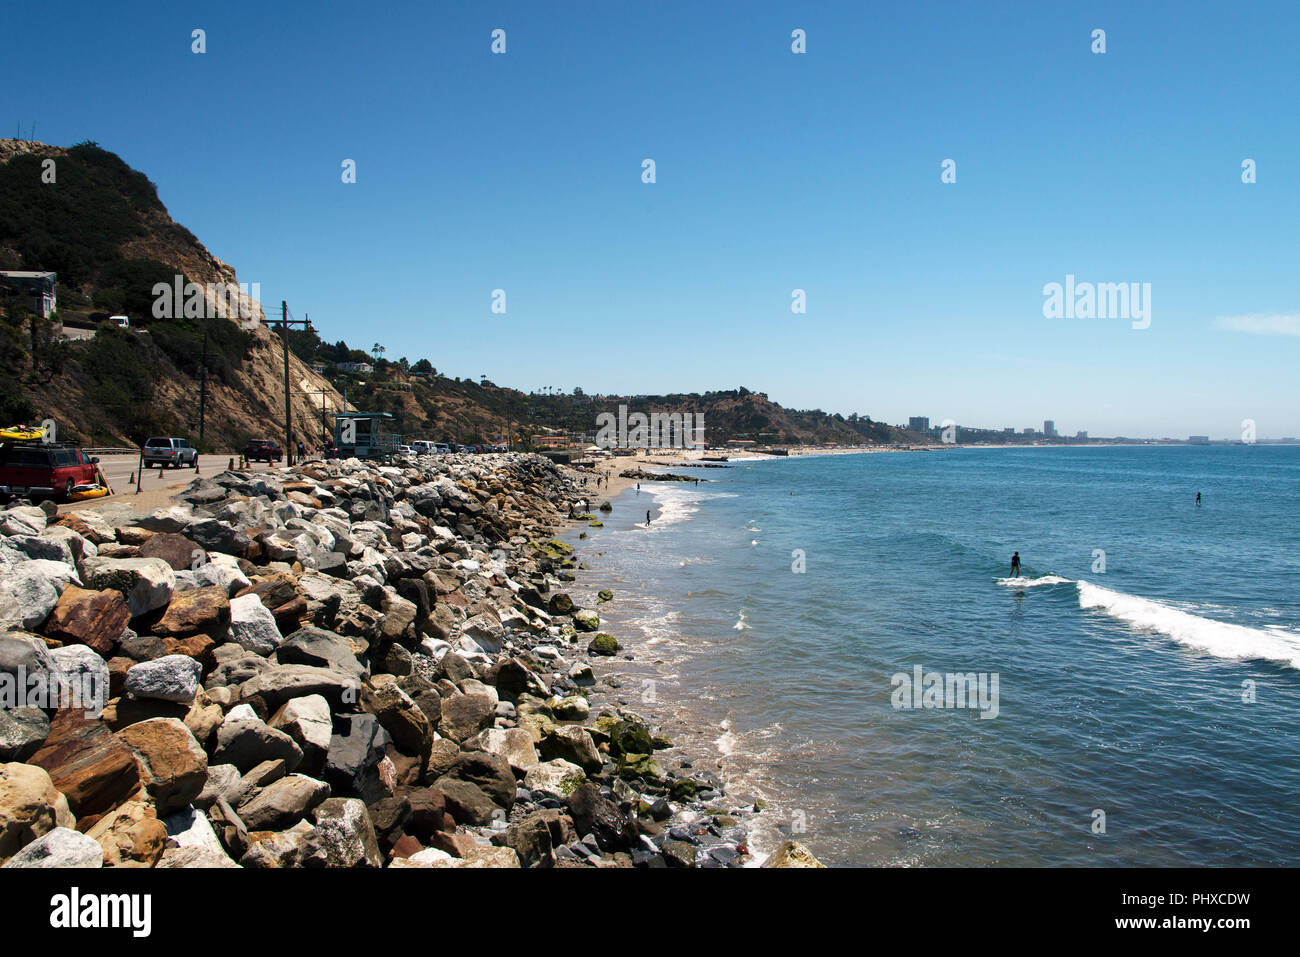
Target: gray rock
x,y
146,583
190,827
82,671
45,547
320,649
513,744
491,772
464,716
253,626
195,856
223,784
468,803
61,847
308,721
22,520
26,662
531,840
352,764
557,778
22,732
283,803
246,744
235,665
170,678
573,744
227,576
26,597
280,683
343,836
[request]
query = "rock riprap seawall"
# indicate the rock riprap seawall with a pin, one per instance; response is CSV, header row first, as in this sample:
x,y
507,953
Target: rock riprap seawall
x,y
331,665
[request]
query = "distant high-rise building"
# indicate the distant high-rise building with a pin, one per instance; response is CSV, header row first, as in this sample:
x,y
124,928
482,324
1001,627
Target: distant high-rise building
x,y
1198,439
919,423
1009,430
1029,431
1049,429
1081,435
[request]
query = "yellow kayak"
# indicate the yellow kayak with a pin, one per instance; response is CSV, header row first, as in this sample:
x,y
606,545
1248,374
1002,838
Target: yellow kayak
x,y
82,492
20,433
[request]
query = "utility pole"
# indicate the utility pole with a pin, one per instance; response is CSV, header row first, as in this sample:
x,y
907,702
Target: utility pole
x,y
285,323
203,380
288,420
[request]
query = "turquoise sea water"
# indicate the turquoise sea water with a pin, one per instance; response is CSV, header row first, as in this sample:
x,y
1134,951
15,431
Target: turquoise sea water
x,y
1119,690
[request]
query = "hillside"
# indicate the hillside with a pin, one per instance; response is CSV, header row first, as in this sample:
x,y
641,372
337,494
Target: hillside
x,y
102,228
447,409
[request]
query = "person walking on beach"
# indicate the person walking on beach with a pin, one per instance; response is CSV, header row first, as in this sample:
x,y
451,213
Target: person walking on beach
x,y
1015,565
647,516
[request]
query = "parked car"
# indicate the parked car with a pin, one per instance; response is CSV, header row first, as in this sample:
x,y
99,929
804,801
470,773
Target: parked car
x,y
405,451
30,469
422,447
263,450
169,452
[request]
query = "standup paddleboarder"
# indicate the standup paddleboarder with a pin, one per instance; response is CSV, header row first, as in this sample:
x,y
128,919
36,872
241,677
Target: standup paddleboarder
x,y
1015,565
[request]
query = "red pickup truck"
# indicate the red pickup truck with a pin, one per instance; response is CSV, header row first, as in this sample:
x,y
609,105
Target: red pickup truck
x,y
34,470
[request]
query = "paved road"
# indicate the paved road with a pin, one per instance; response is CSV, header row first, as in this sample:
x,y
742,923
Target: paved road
x,y
118,469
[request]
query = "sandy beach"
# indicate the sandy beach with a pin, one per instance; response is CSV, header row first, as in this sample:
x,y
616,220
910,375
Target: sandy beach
x,y
605,477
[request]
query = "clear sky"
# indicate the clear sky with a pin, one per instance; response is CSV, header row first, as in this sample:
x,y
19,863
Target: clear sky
x,y
775,171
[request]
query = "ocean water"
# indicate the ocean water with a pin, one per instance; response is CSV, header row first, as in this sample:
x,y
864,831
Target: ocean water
x,y
1153,690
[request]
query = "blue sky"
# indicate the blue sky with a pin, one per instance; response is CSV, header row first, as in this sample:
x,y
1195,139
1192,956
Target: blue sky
x,y
775,171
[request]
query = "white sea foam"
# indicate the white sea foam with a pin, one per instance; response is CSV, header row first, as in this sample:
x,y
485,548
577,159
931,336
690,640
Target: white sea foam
x,y
741,623
678,504
727,741
1024,582
1218,638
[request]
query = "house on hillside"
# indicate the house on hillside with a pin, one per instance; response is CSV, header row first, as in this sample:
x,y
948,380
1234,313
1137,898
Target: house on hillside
x,y
39,288
362,367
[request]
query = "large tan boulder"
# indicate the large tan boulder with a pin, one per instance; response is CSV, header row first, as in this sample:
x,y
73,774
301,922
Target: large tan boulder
x,y
131,836
173,766
792,854
30,806
198,610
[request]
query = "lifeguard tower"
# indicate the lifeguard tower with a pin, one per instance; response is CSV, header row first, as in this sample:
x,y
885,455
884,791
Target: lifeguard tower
x,y
361,435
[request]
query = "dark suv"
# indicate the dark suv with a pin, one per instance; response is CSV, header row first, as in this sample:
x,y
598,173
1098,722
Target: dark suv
x,y
36,470
263,450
